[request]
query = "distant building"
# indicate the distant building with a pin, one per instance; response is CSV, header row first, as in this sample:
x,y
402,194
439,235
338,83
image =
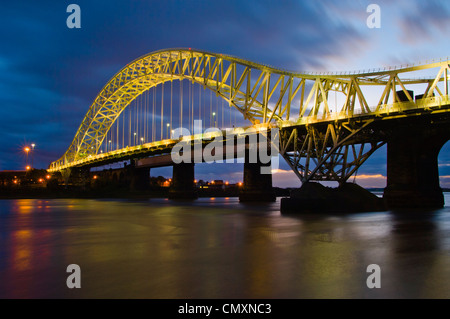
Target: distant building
x,y
10,177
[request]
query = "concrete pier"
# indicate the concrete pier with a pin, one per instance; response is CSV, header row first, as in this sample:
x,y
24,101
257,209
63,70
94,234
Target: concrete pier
x,y
257,186
412,167
139,178
316,198
183,182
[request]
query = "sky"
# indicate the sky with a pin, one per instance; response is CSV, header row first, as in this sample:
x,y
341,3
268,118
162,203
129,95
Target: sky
x,y
50,74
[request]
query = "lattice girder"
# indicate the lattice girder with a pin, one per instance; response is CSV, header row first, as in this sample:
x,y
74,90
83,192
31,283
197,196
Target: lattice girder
x,y
331,152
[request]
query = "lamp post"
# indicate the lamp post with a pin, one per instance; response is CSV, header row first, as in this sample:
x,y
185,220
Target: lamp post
x,y
134,138
110,147
27,150
142,140
214,122
32,153
168,125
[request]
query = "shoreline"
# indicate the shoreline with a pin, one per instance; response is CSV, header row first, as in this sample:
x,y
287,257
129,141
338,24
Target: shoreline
x,y
44,193
73,193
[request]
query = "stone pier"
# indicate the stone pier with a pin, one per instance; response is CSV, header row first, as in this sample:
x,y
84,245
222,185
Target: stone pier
x,y
412,167
183,182
257,186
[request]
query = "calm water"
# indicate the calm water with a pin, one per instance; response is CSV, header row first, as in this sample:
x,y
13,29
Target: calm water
x,y
217,248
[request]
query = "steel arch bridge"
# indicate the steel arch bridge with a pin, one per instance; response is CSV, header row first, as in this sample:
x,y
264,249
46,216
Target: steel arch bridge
x,y
320,139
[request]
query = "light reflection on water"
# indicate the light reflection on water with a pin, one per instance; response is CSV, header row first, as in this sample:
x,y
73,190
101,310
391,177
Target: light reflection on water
x,y
217,248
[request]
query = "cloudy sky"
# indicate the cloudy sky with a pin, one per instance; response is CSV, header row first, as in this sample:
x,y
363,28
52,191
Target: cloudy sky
x,y
50,74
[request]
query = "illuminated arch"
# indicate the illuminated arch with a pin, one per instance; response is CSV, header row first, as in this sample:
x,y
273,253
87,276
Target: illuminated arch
x,y
248,87
217,72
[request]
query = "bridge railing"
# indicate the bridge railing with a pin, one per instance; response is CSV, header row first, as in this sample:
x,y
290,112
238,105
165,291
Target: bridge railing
x,y
423,104
239,131
382,110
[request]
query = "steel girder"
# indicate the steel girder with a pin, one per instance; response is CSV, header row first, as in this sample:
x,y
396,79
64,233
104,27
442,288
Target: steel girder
x,y
328,151
295,102
231,78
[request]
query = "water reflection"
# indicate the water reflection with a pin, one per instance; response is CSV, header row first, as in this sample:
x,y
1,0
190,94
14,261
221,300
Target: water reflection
x,y
22,250
217,248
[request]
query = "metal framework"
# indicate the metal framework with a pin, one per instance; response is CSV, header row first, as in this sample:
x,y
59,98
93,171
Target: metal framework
x,y
319,139
331,152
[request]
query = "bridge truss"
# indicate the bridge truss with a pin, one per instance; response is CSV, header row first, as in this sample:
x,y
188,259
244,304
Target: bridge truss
x,y
320,139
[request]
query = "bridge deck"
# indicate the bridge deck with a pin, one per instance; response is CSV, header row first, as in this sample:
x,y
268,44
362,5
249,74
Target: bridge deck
x,y
431,105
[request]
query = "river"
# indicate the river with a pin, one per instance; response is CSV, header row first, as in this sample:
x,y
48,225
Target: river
x,y
218,248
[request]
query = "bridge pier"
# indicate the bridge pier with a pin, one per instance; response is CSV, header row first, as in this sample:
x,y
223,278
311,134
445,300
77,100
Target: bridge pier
x,y
314,197
139,177
257,187
412,167
80,176
65,173
183,182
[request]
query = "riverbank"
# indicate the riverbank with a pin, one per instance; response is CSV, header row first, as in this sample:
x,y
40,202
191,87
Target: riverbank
x,y
31,192
89,193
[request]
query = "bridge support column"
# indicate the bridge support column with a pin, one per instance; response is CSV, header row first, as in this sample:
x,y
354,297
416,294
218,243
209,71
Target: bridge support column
x,y
65,173
314,197
257,186
139,178
80,177
183,182
412,168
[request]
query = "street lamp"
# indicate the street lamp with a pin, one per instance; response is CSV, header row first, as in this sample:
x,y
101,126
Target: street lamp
x,y
135,138
168,125
32,153
171,135
214,123
27,150
142,140
110,147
